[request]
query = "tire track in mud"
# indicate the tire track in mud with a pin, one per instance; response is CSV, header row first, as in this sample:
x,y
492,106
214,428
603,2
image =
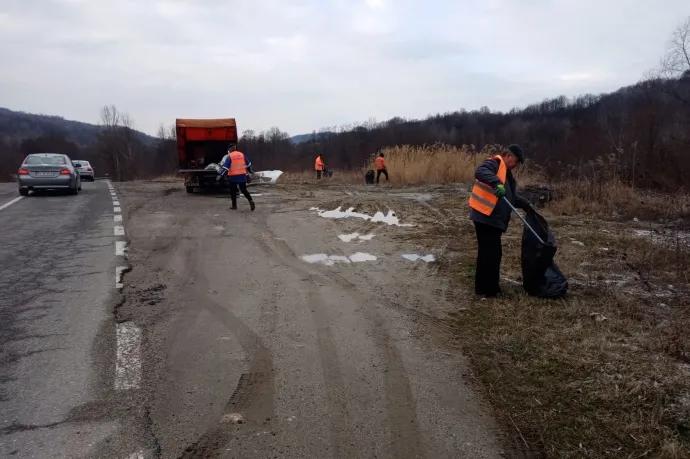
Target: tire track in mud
x,y
401,407
253,393
340,428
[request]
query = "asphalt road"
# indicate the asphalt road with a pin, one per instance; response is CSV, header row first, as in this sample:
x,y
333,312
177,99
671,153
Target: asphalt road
x,y
56,330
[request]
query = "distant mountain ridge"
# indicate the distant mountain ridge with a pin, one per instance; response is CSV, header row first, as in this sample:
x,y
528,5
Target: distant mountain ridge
x,y
17,125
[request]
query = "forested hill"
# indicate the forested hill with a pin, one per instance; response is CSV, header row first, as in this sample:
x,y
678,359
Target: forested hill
x,y
16,126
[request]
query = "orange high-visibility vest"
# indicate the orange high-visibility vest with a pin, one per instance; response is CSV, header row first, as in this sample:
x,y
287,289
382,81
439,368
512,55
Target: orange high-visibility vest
x,y
483,199
237,164
380,163
319,164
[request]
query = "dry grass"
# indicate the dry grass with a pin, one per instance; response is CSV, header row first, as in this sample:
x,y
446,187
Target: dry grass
x,y
577,386
613,198
600,193
435,164
168,178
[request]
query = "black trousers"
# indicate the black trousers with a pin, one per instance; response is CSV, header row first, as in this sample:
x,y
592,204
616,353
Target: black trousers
x,y
379,172
318,174
489,253
243,189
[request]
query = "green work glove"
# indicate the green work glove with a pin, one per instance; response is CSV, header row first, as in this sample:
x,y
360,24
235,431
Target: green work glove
x,y
500,191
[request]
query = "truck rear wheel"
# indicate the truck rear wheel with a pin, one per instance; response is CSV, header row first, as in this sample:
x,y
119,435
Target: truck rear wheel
x,y
190,189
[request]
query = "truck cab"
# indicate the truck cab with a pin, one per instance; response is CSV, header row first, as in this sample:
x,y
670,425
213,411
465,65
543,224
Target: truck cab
x,y
201,142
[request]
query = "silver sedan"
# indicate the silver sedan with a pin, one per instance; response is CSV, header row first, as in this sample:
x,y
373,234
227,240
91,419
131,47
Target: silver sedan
x,y
48,171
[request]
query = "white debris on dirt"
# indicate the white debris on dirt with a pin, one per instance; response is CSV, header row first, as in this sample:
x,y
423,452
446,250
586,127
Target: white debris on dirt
x,y
360,256
232,418
580,243
414,257
598,317
379,217
665,237
636,219
353,236
330,260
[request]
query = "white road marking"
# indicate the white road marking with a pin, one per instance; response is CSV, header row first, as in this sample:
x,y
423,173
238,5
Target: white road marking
x,y
128,363
5,206
119,230
119,271
117,218
117,209
120,248
116,203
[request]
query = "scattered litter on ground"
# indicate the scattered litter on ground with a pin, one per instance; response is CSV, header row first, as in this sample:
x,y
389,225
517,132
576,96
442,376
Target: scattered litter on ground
x,y
360,256
598,317
353,236
330,260
414,257
580,243
379,217
665,237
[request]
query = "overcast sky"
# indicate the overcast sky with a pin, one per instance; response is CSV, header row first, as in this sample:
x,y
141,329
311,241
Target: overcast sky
x,y
304,64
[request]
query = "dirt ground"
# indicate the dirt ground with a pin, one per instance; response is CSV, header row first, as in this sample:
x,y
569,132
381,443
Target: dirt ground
x,y
389,357
352,357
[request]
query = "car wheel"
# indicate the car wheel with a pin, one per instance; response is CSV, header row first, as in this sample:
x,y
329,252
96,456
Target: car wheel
x,y
23,192
190,189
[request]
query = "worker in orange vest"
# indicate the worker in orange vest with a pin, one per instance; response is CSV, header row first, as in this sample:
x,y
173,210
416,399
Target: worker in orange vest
x,y
491,214
381,168
236,164
319,166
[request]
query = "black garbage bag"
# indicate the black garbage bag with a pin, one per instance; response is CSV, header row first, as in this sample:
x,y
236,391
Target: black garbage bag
x,y
369,177
540,275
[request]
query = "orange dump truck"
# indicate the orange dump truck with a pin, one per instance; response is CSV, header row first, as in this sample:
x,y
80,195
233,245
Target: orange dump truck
x,y
201,142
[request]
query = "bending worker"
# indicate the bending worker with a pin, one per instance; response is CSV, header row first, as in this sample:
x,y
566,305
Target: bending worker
x,y
491,214
319,166
381,168
237,166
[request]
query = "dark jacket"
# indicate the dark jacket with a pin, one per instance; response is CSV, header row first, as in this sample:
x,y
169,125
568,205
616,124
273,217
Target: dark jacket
x,y
500,217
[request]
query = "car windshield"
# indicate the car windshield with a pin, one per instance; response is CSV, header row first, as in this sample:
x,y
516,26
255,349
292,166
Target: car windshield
x,y
50,160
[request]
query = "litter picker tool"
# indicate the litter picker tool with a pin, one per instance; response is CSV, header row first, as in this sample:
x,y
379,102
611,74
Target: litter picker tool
x,y
523,220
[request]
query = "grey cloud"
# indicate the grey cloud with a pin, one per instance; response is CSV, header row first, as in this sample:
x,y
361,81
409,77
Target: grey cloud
x,y
302,64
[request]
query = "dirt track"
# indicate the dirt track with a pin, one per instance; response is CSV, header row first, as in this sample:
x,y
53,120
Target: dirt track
x,y
347,360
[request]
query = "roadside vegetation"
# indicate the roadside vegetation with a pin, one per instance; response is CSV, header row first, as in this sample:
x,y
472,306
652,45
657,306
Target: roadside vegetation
x,y
604,372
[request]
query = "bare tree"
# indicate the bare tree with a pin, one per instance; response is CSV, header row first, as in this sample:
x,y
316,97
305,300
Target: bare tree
x,y
676,62
119,143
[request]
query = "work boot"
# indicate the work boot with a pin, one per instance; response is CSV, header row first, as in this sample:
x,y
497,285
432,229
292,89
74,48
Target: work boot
x,y
252,205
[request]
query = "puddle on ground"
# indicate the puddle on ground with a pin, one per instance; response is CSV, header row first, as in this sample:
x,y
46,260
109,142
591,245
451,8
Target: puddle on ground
x,y
379,217
353,236
414,257
330,260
